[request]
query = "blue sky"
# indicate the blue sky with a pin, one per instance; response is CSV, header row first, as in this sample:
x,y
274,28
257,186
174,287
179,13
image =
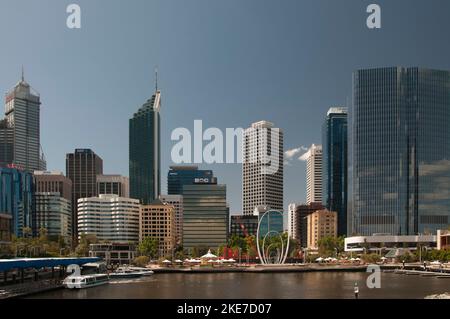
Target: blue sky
x,y
228,63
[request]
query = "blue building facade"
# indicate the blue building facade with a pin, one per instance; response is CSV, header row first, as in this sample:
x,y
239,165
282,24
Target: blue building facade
x,y
16,198
272,222
178,176
400,151
334,164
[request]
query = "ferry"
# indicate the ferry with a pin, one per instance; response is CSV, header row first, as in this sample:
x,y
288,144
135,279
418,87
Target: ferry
x,y
85,281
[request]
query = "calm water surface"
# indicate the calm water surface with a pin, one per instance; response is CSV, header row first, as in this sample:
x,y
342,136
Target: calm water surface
x,y
257,285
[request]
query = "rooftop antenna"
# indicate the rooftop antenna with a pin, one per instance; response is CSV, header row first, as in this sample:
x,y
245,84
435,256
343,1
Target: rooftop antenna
x,y
156,79
23,76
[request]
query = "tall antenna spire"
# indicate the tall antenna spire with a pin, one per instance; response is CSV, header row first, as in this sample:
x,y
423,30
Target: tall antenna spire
x,y
156,78
23,76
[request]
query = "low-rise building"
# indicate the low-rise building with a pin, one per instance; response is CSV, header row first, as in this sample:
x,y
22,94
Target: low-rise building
x,y
379,242
243,225
443,239
114,253
321,224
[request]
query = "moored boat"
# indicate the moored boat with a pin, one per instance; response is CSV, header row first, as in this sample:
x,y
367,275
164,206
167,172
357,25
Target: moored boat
x,y
85,281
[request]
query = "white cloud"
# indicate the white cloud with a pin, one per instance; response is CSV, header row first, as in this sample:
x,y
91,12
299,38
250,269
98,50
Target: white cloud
x,y
294,151
290,154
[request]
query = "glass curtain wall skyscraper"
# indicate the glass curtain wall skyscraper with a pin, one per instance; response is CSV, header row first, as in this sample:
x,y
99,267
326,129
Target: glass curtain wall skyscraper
x,y
145,154
334,165
400,155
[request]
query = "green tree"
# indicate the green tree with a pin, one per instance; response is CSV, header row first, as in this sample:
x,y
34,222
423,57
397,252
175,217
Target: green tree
x,y
149,247
82,250
141,261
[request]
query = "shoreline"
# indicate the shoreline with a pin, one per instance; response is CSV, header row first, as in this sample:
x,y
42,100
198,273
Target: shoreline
x,y
19,291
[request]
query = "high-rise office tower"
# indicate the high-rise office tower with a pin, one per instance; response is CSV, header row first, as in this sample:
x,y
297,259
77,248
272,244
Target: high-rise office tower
x,y
145,153
205,220
314,174
262,167
400,151
113,184
16,198
334,164
82,167
178,176
53,203
20,131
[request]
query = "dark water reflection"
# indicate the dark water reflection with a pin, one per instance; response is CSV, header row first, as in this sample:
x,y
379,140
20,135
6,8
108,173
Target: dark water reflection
x,y
254,285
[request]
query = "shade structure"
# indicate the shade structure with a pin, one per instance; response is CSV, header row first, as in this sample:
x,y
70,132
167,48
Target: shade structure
x,y
178,261
209,255
166,261
319,259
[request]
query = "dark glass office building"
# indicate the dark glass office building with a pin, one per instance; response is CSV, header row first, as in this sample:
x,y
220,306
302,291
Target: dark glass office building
x,y
205,216
16,198
82,168
334,164
400,151
144,153
178,176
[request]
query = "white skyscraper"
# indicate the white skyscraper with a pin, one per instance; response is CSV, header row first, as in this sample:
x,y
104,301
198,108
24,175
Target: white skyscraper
x,y
21,128
262,168
313,174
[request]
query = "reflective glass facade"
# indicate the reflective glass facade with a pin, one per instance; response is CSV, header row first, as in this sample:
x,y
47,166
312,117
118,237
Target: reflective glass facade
x,y
271,222
16,198
144,153
334,165
400,154
205,219
178,176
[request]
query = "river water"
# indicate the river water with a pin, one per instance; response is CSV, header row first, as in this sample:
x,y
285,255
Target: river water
x,y
259,285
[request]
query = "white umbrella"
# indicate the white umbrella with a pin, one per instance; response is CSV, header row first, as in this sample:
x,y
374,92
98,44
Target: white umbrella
x,y
327,259
383,258
166,261
211,261
436,262
333,259
358,259
319,259
352,259
178,261
231,260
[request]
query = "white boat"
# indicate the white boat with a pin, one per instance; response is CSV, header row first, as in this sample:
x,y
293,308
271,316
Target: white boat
x,y
123,272
85,281
143,271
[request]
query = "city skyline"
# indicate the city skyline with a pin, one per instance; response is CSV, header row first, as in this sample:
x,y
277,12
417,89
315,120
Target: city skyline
x,y
200,67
